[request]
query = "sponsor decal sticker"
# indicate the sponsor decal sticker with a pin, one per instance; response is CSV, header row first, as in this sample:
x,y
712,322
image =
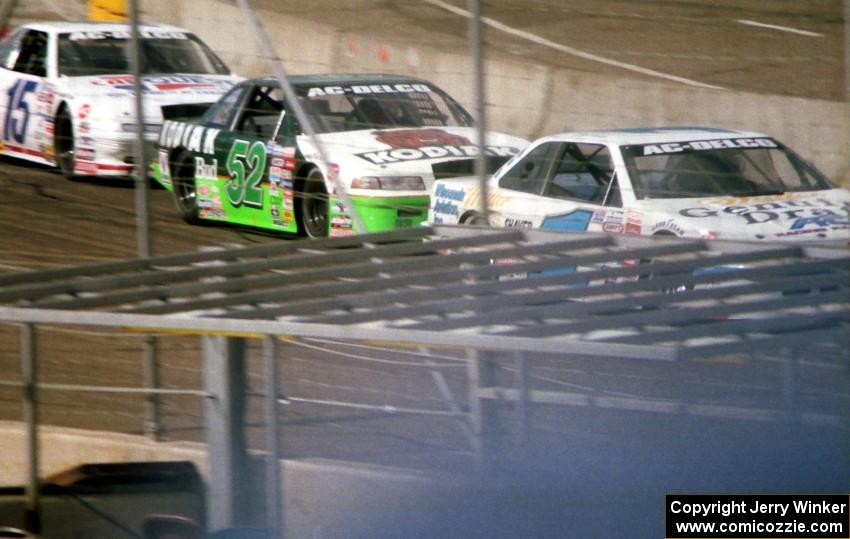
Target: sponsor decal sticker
x,y
670,225
417,144
164,171
163,83
766,212
363,89
576,220
195,138
701,145
612,228
452,194
517,223
206,171
125,34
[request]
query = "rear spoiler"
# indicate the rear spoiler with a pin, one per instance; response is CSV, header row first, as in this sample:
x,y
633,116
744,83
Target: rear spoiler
x,y
184,111
466,167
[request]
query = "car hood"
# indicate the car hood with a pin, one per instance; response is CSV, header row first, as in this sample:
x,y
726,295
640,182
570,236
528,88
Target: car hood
x,y
405,151
804,216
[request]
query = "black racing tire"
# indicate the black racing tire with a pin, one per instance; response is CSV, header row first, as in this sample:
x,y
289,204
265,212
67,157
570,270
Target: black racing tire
x,y
64,143
183,187
473,219
312,206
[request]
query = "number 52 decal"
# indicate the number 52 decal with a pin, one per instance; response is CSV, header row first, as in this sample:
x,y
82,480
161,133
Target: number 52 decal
x,y
15,128
246,158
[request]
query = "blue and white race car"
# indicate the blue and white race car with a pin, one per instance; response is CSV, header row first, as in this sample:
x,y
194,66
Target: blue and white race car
x,y
692,182
66,92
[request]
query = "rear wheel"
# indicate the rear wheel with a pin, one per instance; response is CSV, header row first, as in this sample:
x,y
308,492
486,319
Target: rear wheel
x,y
63,143
183,184
474,219
313,206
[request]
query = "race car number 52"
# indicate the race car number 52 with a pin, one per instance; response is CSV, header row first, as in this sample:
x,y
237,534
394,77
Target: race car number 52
x,y
250,160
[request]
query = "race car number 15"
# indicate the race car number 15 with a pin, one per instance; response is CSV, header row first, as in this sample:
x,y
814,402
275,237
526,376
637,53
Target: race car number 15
x,y
15,128
245,165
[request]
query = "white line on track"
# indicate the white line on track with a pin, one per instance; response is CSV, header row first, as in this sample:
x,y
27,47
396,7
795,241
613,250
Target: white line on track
x,y
534,38
780,28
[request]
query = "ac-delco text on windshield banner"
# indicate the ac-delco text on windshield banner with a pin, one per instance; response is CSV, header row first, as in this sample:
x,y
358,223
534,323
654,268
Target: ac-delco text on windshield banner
x,y
757,516
701,145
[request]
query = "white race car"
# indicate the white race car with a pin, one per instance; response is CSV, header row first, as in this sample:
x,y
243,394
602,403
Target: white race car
x,y
66,98
694,182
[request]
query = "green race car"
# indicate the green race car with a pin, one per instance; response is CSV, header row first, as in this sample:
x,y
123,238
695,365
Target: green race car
x,y
246,161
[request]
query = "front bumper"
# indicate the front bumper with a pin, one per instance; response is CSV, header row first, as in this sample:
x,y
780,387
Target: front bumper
x,y
378,214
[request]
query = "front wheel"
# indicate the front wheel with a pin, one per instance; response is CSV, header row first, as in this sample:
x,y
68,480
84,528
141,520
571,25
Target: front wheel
x,y
183,184
474,219
64,144
313,206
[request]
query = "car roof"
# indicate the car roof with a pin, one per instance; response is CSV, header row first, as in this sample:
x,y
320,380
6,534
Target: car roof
x,y
342,78
651,135
85,26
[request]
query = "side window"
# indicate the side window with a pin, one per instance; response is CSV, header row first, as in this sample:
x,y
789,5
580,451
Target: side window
x,y
32,58
221,114
529,173
584,172
262,112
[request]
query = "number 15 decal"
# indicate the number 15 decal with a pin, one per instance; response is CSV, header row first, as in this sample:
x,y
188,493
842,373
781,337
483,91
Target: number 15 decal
x,y
15,127
251,160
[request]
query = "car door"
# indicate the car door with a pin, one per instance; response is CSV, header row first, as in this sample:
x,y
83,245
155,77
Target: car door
x,y
581,191
23,77
520,188
243,158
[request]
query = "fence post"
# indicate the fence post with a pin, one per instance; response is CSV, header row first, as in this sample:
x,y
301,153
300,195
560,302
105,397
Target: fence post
x,y
229,483
523,391
790,380
481,371
29,372
153,428
274,509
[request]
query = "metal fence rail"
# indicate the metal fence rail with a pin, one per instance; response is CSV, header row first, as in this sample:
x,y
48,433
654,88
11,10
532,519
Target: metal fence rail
x,y
687,294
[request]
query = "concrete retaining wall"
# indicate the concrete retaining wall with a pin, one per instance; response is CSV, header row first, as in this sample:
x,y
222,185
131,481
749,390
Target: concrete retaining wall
x,y
525,99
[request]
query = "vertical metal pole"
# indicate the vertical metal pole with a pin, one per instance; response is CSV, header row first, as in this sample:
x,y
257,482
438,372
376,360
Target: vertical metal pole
x,y
153,429
229,491
6,8
274,499
29,371
790,379
481,373
140,166
522,407
144,242
475,36
847,91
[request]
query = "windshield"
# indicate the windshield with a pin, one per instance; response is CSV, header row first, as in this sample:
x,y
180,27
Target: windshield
x,y
739,167
83,54
350,107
